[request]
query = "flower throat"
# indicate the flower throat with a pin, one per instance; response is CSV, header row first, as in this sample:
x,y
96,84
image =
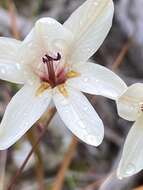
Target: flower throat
x,y
51,76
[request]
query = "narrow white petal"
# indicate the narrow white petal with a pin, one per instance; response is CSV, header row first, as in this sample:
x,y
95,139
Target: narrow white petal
x,y
50,35
47,37
130,103
90,25
132,158
10,69
96,79
49,27
30,37
22,112
79,116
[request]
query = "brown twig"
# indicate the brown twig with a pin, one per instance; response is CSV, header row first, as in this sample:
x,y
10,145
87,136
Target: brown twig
x,y
139,188
3,159
18,173
94,185
39,168
122,54
14,28
58,184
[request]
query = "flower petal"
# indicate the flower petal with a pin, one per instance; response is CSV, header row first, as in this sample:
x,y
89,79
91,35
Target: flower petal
x,y
10,69
23,111
132,158
79,116
130,103
48,34
90,24
96,79
47,37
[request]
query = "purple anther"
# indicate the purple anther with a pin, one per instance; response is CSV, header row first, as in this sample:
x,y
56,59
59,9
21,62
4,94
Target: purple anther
x,y
58,57
44,60
49,58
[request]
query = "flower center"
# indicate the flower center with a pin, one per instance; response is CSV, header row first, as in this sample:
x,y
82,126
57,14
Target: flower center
x,y
54,73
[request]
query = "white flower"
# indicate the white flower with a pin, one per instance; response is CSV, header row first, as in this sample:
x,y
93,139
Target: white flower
x,y
52,64
130,107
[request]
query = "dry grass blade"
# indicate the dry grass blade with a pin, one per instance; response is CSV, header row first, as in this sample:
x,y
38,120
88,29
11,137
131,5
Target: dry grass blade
x,y
139,188
122,54
3,158
58,184
14,28
39,167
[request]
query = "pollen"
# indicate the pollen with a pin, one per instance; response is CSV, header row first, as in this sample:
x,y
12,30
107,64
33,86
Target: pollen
x,y
72,74
63,90
44,86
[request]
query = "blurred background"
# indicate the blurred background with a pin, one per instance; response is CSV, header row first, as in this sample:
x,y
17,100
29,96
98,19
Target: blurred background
x,y
61,162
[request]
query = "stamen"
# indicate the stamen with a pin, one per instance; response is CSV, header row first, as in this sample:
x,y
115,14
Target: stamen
x,y
44,60
48,61
52,77
58,57
55,76
52,58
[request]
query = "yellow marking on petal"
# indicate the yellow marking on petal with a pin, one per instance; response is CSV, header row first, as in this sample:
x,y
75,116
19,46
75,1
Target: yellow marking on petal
x,y
63,90
44,86
72,74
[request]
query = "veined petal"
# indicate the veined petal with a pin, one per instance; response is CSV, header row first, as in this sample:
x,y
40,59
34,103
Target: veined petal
x,y
10,69
130,103
96,79
79,116
23,111
132,158
49,34
51,29
90,24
